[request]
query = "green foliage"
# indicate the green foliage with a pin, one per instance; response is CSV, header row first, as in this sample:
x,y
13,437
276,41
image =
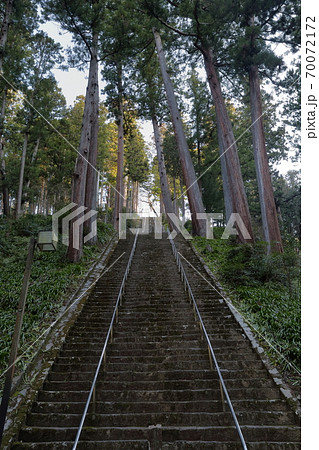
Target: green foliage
x,y
265,288
30,225
52,280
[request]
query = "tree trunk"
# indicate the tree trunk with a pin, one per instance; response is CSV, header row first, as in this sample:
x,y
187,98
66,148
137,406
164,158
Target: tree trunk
x,y
199,163
80,171
120,155
5,190
135,196
175,206
266,195
41,200
165,192
126,189
162,207
33,157
226,187
4,30
21,177
129,196
182,199
91,175
235,191
193,192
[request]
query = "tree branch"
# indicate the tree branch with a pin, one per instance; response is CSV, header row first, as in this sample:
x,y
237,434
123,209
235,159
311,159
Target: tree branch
x,y
77,29
167,25
173,3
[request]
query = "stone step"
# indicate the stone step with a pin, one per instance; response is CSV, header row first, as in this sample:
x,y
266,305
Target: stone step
x,y
213,445
221,434
117,407
94,445
129,375
191,393
122,367
163,376
157,356
157,369
175,419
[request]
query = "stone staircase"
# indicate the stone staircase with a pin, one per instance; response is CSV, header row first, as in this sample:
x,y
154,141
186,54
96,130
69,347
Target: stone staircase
x,y
156,389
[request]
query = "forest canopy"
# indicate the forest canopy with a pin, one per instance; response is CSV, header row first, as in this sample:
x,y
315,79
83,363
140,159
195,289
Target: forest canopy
x,y
212,80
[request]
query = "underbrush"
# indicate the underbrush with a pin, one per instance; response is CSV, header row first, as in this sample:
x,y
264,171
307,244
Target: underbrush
x,y
266,291
52,279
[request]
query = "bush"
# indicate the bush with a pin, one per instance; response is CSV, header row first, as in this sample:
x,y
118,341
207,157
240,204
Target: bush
x,y
265,288
52,277
31,224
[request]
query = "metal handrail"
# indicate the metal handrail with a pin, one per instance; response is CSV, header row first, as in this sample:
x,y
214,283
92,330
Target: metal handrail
x,y
108,336
210,348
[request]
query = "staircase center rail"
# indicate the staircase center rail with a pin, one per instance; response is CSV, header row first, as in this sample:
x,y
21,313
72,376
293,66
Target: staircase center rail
x,y
109,337
210,347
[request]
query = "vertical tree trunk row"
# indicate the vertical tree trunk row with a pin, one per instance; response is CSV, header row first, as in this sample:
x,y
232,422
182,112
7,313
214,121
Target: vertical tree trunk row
x,y
165,192
5,190
193,192
91,176
80,172
266,196
120,154
135,192
21,176
235,191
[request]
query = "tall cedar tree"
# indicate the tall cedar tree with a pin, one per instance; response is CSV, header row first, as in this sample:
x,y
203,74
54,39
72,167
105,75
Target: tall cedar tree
x,y
201,35
84,20
194,195
150,100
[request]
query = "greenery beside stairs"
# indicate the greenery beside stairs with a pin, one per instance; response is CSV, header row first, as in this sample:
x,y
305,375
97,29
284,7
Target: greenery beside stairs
x,y
266,291
52,281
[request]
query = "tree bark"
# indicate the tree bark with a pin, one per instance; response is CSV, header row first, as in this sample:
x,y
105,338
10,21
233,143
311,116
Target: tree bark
x,y
175,206
91,176
126,189
135,196
162,207
5,190
165,192
199,162
120,155
80,171
5,29
182,198
232,178
33,157
266,195
193,192
223,166
21,177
